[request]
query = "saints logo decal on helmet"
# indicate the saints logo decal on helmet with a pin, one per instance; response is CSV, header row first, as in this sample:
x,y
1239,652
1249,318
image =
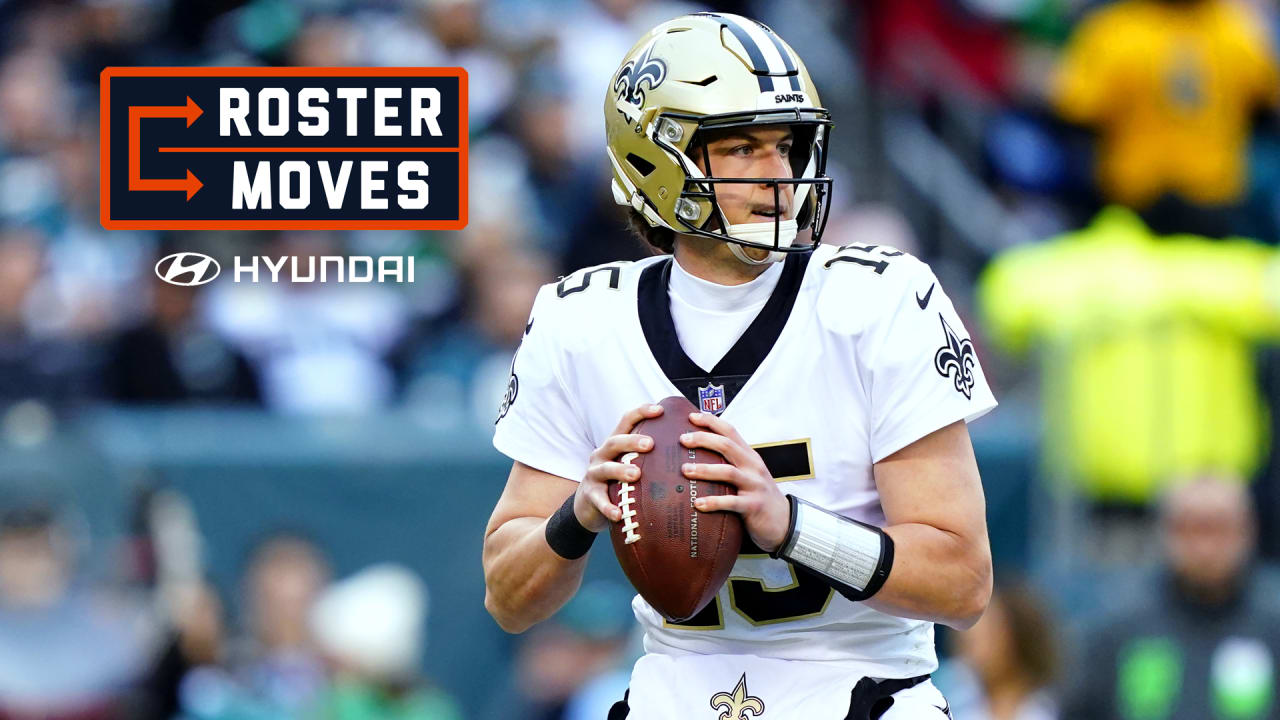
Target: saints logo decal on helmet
x,y
698,74
644,70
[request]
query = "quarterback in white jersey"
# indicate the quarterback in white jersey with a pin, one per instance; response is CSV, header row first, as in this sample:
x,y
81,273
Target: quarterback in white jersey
x,y
836,382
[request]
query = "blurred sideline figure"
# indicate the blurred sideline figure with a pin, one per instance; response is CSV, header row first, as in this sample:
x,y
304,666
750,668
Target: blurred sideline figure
x,y
319,347
1147,345
34,363
68,650
278,658
468,364
1202,639
1007,663
273,671
164,559
171,356
370,628
576,665
1170,86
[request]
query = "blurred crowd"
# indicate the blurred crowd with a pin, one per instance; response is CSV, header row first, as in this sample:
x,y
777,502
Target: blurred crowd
x,y
965,127
85,318
154,640
1097,183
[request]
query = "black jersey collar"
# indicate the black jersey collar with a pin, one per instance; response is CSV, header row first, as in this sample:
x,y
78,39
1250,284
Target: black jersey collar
x,y
741,361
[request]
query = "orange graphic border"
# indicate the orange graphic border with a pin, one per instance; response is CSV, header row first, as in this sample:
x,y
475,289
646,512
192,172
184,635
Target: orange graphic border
x,y
105,149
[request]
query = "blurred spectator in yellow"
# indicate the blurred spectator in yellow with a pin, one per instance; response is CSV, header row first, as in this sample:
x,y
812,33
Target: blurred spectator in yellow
x,y
1147,346
68,650
171,356
1203,638
371,629
1008,661
1171,87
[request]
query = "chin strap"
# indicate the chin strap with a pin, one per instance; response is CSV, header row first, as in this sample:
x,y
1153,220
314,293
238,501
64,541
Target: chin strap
x,y
761,233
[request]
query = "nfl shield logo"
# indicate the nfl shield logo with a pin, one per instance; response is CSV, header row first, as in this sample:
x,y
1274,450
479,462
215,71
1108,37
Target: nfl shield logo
x,y
712,398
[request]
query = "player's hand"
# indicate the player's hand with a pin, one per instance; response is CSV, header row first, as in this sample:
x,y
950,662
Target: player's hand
x,y
764,509
591,501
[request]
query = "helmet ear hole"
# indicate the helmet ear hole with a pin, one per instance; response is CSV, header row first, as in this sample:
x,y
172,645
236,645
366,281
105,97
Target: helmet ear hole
x,y
642,166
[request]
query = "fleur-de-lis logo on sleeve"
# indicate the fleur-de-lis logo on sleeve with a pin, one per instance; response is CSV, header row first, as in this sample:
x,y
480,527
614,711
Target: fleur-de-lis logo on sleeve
x,y
737,704
645,70
956,359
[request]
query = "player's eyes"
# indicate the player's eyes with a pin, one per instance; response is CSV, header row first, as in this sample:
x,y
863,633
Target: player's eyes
x,y
741,150
784,149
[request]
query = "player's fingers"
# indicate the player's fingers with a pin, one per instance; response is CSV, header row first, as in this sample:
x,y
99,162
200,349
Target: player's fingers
x,y
613,471
599,499
720,472
717,503
617,445
591,504
730,450
716,424
634,416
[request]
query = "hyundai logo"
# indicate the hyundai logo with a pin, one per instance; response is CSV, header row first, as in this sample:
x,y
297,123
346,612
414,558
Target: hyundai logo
x,y
187,268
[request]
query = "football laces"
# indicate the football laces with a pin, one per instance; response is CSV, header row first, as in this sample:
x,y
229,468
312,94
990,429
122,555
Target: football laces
x,y
626,501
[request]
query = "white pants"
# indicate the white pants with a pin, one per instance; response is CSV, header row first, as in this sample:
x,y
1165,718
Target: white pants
x,y
746,687
922,701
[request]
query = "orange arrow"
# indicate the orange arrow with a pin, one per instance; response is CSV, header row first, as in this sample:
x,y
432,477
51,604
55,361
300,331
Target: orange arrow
x,y
191,184
190,111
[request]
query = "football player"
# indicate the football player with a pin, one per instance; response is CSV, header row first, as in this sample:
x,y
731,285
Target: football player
x,y
836,382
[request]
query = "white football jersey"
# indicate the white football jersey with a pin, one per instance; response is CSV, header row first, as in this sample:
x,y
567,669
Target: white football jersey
x,y
856,354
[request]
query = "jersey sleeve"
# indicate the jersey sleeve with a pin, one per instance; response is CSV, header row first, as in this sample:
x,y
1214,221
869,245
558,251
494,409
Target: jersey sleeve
x,y
922,370
538,424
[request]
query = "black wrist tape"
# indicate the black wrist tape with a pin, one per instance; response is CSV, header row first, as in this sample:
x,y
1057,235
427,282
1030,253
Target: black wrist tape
x,y
565,534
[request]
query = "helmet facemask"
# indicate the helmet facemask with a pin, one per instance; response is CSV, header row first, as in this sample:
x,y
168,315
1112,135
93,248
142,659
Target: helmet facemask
x,y
698,207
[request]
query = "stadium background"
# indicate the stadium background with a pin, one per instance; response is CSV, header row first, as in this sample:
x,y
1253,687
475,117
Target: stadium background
x,y
183,472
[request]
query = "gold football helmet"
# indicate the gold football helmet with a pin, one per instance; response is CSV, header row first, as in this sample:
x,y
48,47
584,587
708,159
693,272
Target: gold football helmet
x,y
710,71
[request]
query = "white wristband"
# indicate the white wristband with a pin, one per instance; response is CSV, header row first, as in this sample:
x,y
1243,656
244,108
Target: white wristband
x,y
845,551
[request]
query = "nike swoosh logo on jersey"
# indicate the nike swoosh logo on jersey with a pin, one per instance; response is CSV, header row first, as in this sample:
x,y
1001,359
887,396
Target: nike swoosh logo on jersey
x,y
528,327
924,302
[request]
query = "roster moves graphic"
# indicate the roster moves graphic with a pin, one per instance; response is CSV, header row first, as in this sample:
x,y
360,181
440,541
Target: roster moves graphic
x,y
264,148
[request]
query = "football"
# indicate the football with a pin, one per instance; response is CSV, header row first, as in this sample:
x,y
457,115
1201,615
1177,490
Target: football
x,y
676,557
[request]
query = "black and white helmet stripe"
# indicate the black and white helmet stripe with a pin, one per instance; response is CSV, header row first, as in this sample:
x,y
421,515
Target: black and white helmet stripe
x,y
770,59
